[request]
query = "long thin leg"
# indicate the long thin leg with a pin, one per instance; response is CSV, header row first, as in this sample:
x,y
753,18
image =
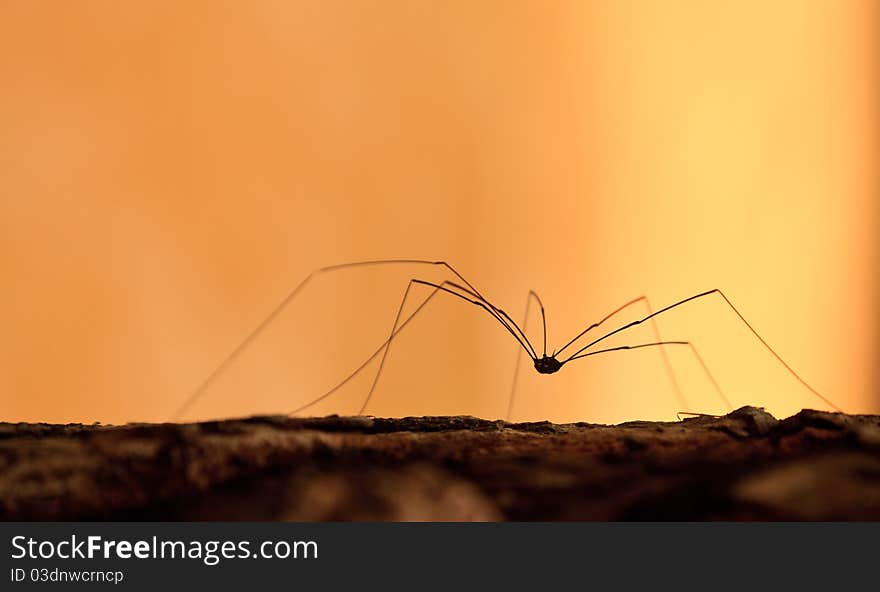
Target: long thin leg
x,y
669,371
543,319
742,318
598,323
662,343
668,365
532,294
382,347
622,347
499,313
482,303
247,341
396,329
388,346
712,378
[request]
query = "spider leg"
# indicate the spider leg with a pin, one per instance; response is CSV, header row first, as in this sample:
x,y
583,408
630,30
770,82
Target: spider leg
x,y
623,347
395,329
661,343
398,326
532,295
742,318
502,317
669,371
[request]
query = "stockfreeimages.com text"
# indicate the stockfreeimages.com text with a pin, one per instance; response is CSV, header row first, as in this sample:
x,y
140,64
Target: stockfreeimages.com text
x,y
209,552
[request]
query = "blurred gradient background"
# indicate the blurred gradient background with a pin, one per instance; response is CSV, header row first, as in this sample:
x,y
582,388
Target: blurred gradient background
x,y
169,171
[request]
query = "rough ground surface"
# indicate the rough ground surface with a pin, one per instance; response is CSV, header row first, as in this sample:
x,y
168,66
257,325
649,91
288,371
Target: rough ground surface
x,y
743,466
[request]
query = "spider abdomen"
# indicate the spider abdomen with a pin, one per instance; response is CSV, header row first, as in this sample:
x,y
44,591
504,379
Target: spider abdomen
x,y
547,364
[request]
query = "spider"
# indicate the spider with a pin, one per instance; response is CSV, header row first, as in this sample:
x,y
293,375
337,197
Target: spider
x,y
465,291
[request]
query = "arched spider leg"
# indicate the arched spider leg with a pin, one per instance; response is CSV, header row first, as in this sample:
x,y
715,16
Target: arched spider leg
x,y
693,348
738,313
398,326
532,295
502,317
655,327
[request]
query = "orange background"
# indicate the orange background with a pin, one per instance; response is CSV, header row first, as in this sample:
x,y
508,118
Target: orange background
x,y
168,171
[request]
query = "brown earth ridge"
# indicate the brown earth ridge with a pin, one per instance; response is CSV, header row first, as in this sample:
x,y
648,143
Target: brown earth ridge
x,y
746,465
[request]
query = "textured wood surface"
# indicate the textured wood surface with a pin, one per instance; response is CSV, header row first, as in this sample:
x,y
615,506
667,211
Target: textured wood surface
x,y
746,465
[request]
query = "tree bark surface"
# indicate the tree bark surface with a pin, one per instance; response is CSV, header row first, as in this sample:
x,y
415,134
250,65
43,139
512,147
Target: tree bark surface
x,y
743,466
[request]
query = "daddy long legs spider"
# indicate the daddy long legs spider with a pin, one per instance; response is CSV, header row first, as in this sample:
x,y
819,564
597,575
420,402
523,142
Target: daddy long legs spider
x,y
466,292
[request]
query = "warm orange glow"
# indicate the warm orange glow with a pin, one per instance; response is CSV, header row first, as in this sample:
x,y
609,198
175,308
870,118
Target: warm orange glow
x,y
169,171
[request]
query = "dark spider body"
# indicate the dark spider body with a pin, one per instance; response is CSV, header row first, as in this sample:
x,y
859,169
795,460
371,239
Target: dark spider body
x,y
547,364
